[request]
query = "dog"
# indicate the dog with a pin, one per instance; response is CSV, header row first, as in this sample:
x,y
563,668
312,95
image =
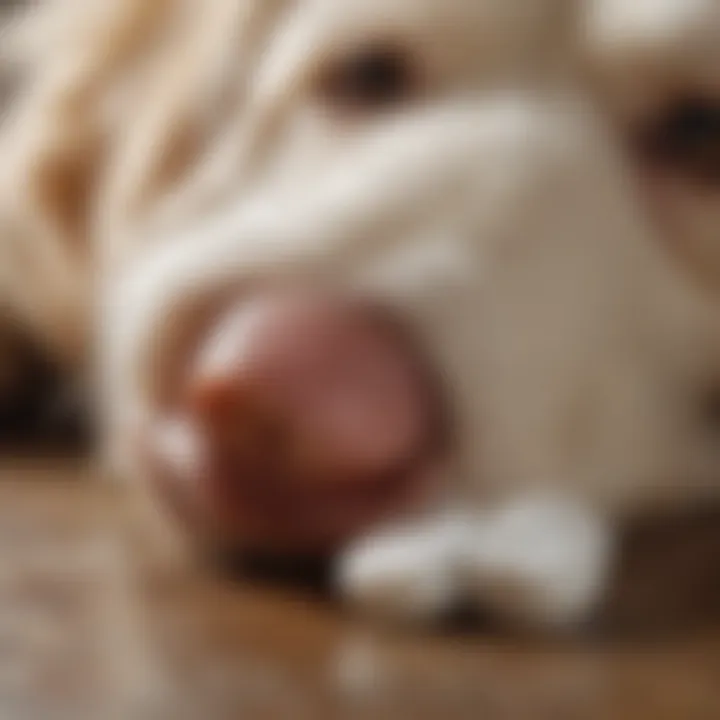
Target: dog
x,y
531,188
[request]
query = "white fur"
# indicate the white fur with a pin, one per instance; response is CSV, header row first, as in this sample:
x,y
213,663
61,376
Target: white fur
x,y
538,561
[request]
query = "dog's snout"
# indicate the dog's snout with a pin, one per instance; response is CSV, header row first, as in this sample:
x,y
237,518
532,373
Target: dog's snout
x,y
309,417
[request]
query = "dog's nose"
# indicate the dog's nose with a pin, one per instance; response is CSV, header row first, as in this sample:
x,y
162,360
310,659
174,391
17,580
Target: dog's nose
x,y
311,417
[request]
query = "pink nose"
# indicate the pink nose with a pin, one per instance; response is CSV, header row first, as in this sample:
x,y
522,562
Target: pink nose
x,y
313,418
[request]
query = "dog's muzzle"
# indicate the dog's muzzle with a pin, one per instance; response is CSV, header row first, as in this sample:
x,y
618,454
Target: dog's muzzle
x,y
277,415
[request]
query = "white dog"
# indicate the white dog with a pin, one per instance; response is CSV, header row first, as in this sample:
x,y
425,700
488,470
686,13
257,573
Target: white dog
x,y
531,186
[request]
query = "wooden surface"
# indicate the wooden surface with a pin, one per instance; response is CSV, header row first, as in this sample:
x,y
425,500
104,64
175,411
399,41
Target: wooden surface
x,y
91,626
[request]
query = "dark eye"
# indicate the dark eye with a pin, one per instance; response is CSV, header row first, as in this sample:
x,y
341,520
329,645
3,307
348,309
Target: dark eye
x,y
375,78
685,139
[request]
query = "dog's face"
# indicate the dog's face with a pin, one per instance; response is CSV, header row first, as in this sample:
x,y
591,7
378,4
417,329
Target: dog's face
x,y
531,188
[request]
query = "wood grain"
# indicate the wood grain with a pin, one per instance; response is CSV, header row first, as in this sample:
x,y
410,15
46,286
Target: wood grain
x,y
92,625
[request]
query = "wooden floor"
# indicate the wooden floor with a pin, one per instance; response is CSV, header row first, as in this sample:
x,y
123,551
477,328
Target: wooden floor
x,y
91,627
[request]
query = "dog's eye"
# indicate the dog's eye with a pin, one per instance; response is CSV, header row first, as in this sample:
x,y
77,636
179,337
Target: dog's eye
x,y
372,79
685,139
